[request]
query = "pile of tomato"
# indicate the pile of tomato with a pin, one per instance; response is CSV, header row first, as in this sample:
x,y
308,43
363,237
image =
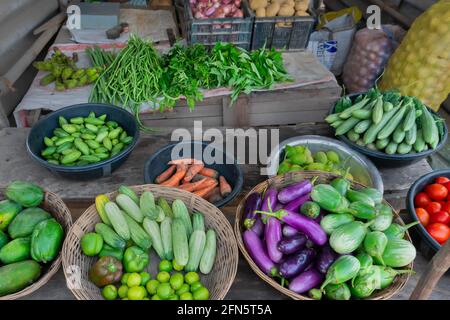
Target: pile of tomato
x,y
433,208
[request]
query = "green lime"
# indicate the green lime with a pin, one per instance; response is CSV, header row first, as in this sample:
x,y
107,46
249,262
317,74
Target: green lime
x,y
163,276
186,296
155,297
125,298
109,292
284,167
298,158
184,288
165,265
145,277
123,291
124,278
295,167
191,277
176,280
195,286
134,279
176,266
164,291
151,286
201,294
174,297
136,293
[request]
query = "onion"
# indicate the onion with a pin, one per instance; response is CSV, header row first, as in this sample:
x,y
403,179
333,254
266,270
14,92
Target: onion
x,y
226,26
226,9
219,13
199,15
210,11
238,14
237,3
192,1
226,1
233,8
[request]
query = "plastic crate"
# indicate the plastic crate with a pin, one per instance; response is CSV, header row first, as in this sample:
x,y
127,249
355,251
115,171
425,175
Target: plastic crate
x,y
293,35
209,31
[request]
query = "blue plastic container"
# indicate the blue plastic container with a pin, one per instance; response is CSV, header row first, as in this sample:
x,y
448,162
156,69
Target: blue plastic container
x,y
157,163
45,126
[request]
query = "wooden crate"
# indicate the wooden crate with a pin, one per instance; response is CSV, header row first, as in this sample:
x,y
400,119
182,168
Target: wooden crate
x,y
280,107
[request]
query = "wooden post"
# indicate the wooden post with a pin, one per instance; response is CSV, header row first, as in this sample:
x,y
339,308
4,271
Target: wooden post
x,y
435,269
4,122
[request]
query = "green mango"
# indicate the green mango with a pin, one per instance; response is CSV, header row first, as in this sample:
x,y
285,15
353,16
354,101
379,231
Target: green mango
x,y
46,240
15,251
24,223
25,193
8,211
16,276
3,239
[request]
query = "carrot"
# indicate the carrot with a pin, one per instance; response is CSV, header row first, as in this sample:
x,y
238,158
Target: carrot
x,y
192,186
225,188
174,180
166,174
208,172
214,195
198,177
192,171
185,161
204,191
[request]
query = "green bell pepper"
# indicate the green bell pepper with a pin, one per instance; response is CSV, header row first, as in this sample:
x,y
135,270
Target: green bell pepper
x,y
135,259
91,243
108,251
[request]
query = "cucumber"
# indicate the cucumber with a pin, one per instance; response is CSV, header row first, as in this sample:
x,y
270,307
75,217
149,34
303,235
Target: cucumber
x,y
165,206
209,253
362,126
353,136
332,118
347,113
16,276
371,134
381,144
391,148
196,246
198,221
392,124
346,126
419,144
429,129
161,214
387,106
181,212
354,196
129,192
398,135
117,220
337,123
147,205
377,113
180,242
138,235
410,119
110,236
362,114
130,207
152,229
404,148
166,237
411,135
100,202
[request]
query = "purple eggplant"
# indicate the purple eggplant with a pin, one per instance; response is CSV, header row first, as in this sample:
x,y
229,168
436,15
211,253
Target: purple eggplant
x,y
258,227
325,259
306,225
288,231
305,281
252,219
297,263
294,191
295,204
292,244
278,206
272,235
256,250
270,199
319,217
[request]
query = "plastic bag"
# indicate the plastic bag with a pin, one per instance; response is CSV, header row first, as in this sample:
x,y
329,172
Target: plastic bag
x,y
369,53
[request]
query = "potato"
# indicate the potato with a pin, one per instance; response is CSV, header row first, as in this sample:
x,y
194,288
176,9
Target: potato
x,y
300,13
255,4
280,2
261,12
286,11
290,3
272,9
301,6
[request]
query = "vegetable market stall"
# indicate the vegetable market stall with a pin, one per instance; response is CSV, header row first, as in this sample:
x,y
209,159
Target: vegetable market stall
x,y
79,195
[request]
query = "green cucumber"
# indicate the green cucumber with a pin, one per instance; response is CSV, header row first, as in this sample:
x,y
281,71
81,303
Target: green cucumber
x,y
180,242
346,126
110,236
197,243
392,124
404,148
398,135
411,135
419,144
381,144
377,113
410,119
352,135
181,212
129,192
391,148
209,253
152,229
362,114
166,237
362,126
371,134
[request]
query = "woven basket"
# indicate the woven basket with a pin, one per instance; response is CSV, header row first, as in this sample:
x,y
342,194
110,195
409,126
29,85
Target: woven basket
x,y
285,180
76,265
58,209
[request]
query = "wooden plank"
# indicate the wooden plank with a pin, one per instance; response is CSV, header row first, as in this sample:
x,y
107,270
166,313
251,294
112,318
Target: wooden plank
x,y
301,93
236,115
184,112
284,118
183,122
290,105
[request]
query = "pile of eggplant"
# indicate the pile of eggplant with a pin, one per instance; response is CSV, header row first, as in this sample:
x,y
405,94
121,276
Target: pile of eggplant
x,y
326,240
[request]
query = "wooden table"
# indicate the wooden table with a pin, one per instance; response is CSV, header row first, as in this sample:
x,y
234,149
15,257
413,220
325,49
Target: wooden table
x,y
16,164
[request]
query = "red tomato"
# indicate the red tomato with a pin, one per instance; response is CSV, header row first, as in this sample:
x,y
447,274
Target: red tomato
x,y
441,217
421,200
436,191
446,207
439,231
442,180
433,207
423,216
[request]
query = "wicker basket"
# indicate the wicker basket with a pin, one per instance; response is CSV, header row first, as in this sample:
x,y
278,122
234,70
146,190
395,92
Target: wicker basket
x,y
287,179
76,265
58,209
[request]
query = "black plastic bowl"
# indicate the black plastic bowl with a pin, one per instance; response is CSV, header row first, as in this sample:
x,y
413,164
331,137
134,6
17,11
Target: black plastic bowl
x,y
415,189
45,126
392,160
229,168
